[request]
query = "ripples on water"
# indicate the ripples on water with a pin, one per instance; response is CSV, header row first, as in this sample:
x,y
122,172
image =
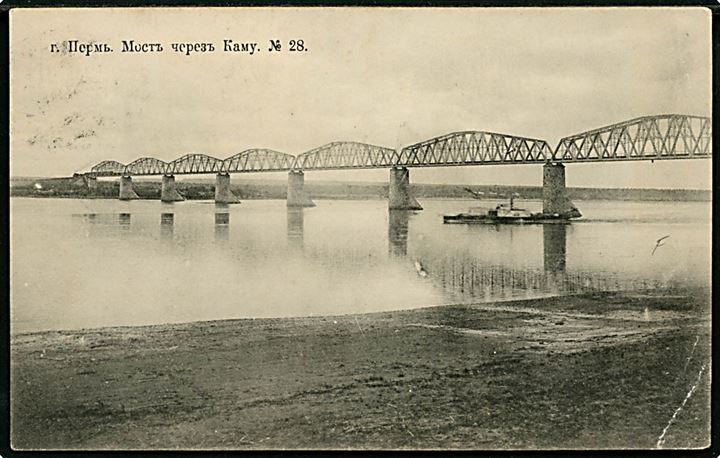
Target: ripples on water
x,y
86,263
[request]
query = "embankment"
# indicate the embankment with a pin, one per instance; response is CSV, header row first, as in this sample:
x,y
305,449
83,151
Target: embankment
x,y
592,371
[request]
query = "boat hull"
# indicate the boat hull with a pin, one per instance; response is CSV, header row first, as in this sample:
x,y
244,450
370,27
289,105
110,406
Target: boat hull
x,y
463,218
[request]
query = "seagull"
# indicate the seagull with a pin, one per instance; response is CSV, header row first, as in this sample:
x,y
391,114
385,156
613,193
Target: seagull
x,y
658,244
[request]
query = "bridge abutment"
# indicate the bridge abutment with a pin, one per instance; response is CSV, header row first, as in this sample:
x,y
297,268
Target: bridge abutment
x,y
92,182
399,196
168,191
126,189
223,194
555,199
296,197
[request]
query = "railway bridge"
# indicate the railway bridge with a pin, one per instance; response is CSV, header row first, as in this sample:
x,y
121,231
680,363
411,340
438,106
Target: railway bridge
x,y
647,138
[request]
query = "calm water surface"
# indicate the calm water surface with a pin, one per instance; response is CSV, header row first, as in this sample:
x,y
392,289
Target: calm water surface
x,y
90,263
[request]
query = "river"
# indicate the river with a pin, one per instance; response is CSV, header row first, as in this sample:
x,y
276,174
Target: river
x,y
90,263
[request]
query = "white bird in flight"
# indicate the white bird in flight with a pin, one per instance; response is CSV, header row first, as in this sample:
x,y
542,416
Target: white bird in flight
x,y
658,244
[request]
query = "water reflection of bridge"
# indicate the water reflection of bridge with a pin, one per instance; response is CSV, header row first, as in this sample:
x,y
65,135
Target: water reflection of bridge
x,y
295,227
462,273
454,270
167,225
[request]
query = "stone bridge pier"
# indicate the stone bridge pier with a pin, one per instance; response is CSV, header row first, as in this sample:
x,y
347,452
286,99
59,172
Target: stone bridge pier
x,y
555,199
168,191
399,196
223,194
296,196
126,189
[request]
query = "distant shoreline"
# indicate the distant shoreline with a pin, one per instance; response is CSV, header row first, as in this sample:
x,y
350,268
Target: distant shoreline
x,y
74,187
354,198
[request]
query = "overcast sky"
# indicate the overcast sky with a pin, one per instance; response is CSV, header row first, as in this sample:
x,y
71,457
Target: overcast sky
x,y
389,77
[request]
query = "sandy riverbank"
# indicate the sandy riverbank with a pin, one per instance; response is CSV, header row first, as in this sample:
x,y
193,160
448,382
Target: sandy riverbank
x,y
598,371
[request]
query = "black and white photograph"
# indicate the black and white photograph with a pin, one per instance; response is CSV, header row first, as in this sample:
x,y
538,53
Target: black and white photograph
x,y
360,228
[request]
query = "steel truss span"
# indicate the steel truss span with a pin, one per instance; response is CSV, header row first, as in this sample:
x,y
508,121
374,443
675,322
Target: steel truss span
x,y
194,163
475,148
258,160
647,138
346,155
147,166
108,169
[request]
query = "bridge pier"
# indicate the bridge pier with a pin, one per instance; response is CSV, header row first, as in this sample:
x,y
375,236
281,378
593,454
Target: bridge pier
x,y
555,199
223,194
296,196
126,190
399,196
168,191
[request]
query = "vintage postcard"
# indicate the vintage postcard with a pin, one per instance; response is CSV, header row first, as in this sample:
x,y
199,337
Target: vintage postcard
x,y
360,228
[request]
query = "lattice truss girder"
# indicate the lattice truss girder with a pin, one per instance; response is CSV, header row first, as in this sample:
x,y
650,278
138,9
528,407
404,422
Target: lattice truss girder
x,y
466,148
195,163
108,168
649,137
338,155
258,160
147,166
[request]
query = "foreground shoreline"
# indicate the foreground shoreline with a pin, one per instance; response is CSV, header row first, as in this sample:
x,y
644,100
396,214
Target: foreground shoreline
x,y
590,371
